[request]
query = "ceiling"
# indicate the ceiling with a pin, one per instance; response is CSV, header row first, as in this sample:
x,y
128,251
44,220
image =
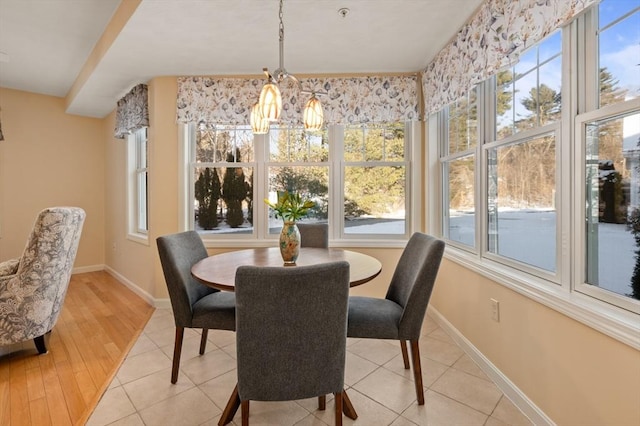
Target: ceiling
x,y
46,45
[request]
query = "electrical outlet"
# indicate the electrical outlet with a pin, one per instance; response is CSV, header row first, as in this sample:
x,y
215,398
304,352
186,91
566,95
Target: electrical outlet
x,y
495,310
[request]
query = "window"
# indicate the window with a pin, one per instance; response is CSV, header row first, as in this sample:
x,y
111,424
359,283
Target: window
x,y
458,160
138,179
221,172
539,171
612,208
359,176
607,147
299,162
375,180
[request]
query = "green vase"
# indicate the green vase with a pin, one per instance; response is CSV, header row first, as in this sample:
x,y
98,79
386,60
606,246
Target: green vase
x,y
289,243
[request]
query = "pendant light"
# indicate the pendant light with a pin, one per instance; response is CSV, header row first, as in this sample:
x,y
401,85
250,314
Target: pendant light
x,y
270,102
259,124
313,115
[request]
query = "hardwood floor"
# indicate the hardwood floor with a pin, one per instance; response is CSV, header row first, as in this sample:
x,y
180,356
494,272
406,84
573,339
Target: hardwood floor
x,y
101,319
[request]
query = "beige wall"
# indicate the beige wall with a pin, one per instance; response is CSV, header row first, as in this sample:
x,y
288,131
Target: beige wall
x,y
576,375
132,260
49,158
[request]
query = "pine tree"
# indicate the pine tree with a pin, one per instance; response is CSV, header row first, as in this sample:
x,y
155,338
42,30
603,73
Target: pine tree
x,y
207,192
234,191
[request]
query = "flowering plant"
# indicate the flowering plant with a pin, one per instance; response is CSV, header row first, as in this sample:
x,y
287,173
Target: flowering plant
x,y
290,206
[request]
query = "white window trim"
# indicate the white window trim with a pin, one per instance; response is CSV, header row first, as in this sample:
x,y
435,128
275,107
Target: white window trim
x,y
579,232
133,232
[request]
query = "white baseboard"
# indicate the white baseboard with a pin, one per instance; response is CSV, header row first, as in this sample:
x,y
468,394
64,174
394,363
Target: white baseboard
x,y
83,269
511,391
155,302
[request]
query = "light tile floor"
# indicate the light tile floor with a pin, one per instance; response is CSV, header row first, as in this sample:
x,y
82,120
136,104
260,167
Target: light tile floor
x,y
457,392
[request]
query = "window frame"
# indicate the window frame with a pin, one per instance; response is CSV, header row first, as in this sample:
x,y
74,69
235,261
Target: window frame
x,y
446,157
579,283
138,168
260,236
366,239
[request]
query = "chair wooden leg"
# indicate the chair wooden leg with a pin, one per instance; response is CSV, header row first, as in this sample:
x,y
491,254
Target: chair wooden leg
x,y
322,402
41,346
338,409
203,340
405,355
177,351
347,406
231,408
417,371
245,412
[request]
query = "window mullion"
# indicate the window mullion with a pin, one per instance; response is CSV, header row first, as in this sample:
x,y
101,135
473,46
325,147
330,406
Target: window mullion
x,y
336,181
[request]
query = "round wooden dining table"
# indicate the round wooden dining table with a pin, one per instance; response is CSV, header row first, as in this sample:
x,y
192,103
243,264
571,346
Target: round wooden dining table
x,y
219,271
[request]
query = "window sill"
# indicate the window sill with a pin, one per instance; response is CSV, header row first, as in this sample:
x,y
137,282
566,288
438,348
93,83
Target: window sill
x,y
139,238
273,242
612,321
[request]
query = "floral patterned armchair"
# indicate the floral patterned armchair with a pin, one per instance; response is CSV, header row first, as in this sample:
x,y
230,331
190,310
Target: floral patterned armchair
x,y
33,287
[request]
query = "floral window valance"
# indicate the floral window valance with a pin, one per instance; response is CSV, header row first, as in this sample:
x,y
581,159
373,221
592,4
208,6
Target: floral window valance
x,y
348,100
132,112
492,40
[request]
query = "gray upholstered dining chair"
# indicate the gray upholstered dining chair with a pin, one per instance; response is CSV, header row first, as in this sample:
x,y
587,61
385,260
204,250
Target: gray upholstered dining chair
x,y
291,332
33,287
313,234
194,305
400,314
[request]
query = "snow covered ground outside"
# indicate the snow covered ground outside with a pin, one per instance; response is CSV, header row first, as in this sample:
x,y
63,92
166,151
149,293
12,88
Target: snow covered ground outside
x,y
535,231
524,235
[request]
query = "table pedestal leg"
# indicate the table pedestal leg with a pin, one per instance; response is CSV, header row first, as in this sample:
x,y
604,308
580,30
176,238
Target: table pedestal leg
x,y
231,408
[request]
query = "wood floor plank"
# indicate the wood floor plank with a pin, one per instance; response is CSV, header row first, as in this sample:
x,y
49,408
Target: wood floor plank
x,y
53,390
39,412
99,323
20,414
5,395
35,386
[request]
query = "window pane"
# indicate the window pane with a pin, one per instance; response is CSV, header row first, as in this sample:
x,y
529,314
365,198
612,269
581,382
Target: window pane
x,y
374,142
524,101
463,124
459,174
309,181
215,144
529,95
374,200
613,204
142,202
522,214
394,142
298,145
354,143
505,118
141,149
223,201
619,51
548,93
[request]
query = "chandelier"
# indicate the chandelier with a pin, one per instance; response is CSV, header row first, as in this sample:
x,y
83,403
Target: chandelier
x,y
269,105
